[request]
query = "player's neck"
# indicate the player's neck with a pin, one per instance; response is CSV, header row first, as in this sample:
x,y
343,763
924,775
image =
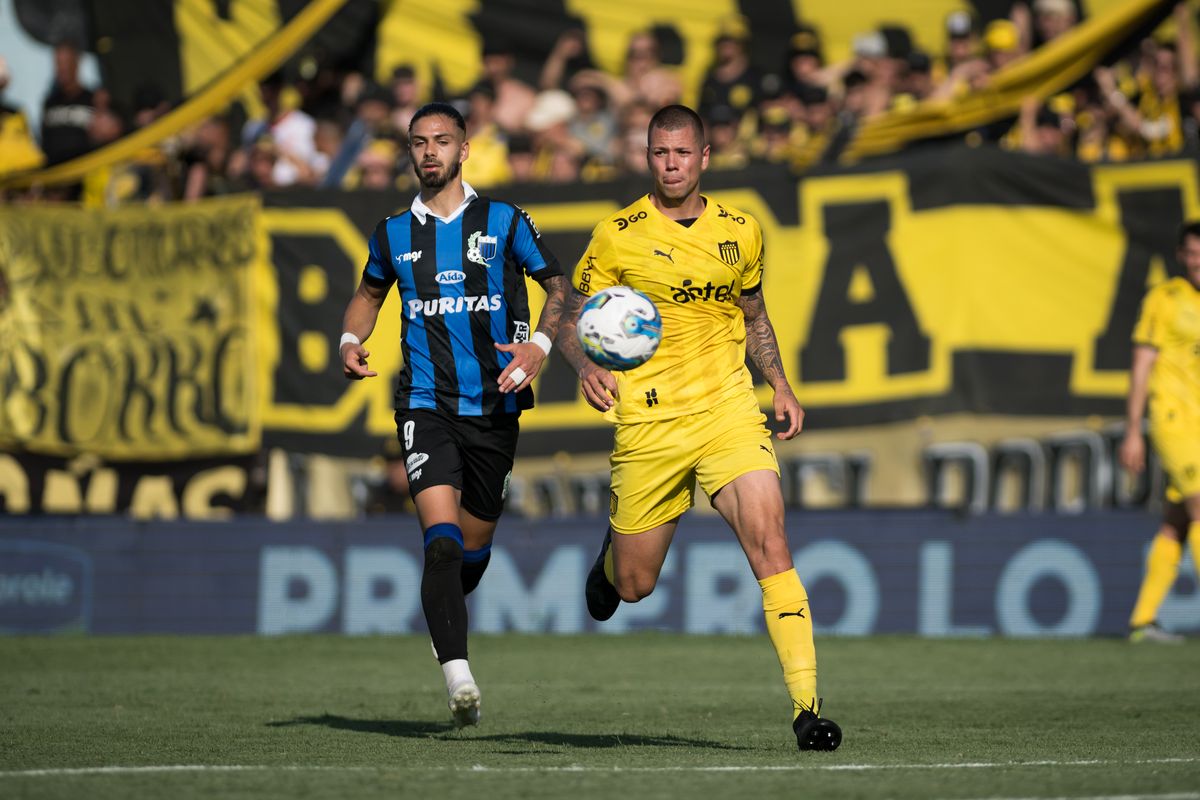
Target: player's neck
x,y
444,200
689,207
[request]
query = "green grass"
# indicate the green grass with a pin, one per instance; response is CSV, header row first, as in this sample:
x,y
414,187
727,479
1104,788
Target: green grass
x,y
613,716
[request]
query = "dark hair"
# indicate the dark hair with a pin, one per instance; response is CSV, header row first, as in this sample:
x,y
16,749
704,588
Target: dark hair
x,y
1188,229
438,109
673,118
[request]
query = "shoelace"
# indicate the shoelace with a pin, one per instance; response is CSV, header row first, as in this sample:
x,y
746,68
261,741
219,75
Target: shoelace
x,y
814,708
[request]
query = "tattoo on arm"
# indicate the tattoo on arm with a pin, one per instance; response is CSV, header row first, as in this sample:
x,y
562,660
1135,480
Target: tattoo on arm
x,y
568,341
556,288
761,342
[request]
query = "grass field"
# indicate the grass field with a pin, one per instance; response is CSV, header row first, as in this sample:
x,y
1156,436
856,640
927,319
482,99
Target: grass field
x,y
647,715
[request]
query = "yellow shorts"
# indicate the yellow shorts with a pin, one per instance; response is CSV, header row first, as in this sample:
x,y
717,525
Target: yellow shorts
x,y
1176,440
655,465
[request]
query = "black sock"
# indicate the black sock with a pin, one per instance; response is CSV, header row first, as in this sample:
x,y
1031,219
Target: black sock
x,y
442,596
475,563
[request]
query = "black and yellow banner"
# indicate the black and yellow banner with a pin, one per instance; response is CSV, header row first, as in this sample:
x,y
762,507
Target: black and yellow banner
x,y
258,50
1054,67
966,280
958,281
131,334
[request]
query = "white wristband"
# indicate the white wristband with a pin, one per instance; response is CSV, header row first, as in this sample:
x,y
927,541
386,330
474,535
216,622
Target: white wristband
x,y
348,337
542,341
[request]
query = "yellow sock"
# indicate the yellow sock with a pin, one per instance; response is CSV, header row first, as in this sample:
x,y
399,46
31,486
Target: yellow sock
x,y
789,624
1162,566
1193,541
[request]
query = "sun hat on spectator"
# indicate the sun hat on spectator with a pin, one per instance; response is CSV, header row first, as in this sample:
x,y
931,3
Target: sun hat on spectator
x,y
1065,7
959,24
549,109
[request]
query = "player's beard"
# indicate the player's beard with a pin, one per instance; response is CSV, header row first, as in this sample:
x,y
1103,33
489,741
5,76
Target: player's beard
x,y
437,180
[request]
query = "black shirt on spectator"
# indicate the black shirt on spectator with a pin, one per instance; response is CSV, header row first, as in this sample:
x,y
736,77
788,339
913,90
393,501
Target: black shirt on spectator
x,y
65,122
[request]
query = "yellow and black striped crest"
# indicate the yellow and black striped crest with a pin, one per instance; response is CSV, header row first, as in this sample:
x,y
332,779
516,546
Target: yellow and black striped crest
x,y
730,253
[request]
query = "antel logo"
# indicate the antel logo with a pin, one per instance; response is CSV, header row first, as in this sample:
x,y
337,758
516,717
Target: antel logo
x,y
44,587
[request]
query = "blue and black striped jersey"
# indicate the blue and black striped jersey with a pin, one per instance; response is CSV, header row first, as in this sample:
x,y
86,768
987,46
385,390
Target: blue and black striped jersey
x,y
462,290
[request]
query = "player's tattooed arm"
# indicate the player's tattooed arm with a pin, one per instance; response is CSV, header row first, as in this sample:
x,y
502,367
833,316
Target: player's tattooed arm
x,y
599,386
764,351
557,289
760,340
568,341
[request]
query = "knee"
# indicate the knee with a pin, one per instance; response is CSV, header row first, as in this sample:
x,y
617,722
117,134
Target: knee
x,y
770,555
443,552
633,588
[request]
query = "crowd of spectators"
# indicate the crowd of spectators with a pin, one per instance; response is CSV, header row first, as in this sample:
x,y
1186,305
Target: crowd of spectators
x,y
324,127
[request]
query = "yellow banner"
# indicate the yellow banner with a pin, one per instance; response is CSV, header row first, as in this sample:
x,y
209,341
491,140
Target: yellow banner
x,y
130,334
1050,69
256,59
967,281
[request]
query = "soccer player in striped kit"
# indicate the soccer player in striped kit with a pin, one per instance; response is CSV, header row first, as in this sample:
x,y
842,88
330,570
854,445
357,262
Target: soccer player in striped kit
x,y
459,261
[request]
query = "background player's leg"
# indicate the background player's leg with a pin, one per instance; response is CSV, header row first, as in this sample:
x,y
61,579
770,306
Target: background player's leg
x,y
1162,567
1192,504
477,548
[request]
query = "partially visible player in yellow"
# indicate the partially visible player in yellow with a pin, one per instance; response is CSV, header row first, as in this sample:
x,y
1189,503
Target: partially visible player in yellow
x,y
690,414
1166,372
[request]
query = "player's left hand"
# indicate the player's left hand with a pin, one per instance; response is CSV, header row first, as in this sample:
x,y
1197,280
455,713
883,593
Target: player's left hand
x,y
528,358
788,407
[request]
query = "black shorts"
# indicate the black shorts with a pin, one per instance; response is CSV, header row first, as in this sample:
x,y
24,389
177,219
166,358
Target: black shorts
x,y
472,454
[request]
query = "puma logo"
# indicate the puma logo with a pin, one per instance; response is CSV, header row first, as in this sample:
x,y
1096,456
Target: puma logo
x,y
667,256
799,614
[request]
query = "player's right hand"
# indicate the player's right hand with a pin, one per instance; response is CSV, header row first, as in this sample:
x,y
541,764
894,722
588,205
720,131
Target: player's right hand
x,y
1132,453
599,387
354,362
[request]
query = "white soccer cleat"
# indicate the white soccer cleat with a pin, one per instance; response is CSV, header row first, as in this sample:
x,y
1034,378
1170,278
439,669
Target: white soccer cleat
x,y
464,704
1153,632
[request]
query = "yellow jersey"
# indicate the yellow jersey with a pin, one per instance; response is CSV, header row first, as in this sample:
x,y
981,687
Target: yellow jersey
x,y
695,275
1170,323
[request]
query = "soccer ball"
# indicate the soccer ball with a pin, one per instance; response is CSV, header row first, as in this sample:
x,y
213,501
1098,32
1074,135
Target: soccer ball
x,y
619,328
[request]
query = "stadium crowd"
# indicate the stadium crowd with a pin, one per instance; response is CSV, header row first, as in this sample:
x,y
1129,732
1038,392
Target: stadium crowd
x,y
325,126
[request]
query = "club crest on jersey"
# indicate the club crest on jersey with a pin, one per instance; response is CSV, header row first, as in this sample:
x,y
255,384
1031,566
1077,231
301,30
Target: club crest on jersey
x,y
481,249
729,252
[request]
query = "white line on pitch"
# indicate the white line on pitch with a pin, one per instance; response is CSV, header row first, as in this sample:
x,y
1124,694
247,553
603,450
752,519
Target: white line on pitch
x,y
169,768
1167,796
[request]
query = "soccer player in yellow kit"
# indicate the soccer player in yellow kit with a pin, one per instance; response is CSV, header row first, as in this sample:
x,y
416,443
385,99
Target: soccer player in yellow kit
x,y
690,414
1166,371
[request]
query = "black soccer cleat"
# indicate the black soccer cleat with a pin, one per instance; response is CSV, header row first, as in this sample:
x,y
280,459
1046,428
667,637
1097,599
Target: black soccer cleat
x,y
814,732
602,598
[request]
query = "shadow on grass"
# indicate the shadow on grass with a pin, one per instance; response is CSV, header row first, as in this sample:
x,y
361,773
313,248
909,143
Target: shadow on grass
x,y
425,729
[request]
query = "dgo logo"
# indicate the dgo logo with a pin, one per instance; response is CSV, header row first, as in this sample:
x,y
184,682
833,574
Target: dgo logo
x,y
44,587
